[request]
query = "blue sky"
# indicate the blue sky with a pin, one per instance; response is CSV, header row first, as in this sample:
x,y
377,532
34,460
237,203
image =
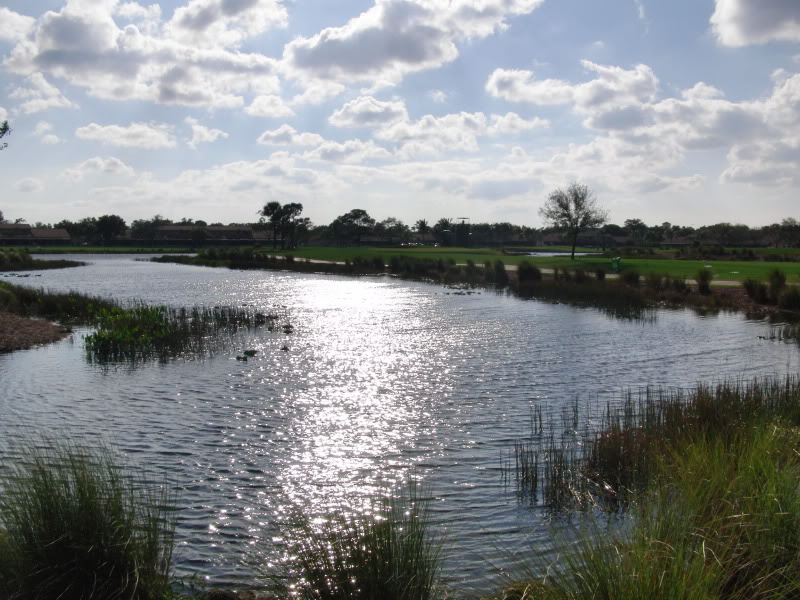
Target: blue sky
x,y
685,111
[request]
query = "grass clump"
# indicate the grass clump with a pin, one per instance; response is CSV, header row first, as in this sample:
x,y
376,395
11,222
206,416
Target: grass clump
x,y
756,290
703,278
389,554
74,524
527,272
630,277
777,282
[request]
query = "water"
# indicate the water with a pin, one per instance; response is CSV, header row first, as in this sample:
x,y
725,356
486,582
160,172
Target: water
x,y
383,379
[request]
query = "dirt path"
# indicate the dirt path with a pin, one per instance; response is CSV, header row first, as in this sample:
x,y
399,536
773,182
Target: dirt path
x,y
19,333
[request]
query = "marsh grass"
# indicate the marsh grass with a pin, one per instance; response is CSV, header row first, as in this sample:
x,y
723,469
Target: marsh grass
x,y
139,332
79,524
389,554
147,332
571,463
722,522
19,259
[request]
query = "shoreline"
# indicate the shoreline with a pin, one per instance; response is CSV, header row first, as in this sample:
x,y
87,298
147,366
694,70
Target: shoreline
x,y
22,333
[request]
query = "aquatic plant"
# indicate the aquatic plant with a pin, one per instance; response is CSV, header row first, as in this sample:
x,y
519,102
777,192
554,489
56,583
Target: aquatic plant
x,y
389,553
79,523
145,332
777,282
703,278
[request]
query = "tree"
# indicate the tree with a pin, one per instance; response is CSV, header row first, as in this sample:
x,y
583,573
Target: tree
x,y
4,131
422,228
442,229
352,225
110,226
146,229
2,220
284,219
573,211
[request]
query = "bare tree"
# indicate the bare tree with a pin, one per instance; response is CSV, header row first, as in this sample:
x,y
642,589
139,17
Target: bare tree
x,y
573,211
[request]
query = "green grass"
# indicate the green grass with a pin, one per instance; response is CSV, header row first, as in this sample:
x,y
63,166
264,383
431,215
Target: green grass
x,y
389,554
714,506
722,270
78,524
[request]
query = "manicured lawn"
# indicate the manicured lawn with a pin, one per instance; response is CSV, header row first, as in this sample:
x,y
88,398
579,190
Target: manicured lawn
x,y
722,270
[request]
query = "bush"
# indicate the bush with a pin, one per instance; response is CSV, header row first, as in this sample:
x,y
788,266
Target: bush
x,y
703,278
378,263
488,272
756,290
579,276
631,277
500,274
527,272
777,281
75,525
790,298
600,274
391,557
654,281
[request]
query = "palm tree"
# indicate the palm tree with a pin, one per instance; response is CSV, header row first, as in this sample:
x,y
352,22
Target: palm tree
x,y
273,211
422,228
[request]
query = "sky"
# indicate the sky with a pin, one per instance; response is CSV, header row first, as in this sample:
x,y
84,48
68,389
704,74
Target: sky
x,y
685,111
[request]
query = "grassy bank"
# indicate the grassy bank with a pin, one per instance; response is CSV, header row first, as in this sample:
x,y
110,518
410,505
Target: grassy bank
x,y
630,296
78,523
138,332
15,259
722,270
711,511
713,507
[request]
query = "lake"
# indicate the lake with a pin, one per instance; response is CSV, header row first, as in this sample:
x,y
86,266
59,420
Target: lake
x,y
383,380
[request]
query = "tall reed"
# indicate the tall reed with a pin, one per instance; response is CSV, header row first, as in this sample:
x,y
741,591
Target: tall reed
x,y
389,554
78,524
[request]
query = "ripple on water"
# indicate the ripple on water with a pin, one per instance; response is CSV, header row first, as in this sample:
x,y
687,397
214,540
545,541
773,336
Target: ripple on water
x,y
382,378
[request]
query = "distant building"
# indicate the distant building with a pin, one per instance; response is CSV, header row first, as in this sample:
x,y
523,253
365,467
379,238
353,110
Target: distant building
x,y
22,234
198,235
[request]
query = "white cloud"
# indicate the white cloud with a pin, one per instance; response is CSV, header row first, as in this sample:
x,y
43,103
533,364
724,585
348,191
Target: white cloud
x,y
517,85
83,45
457,131
397,37
366,111
225,23
438,96
43,130
202,134
29,185
351,151
39,96
268,106
135,135
748,22
289,136
108,165
14,26
513,123
146,18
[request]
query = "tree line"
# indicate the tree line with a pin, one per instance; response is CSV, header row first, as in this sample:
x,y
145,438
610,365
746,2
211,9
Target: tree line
x,y
289,229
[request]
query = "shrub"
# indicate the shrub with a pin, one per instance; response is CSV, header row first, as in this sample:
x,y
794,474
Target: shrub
x,y
391,557
378,263
777,281
579,276
527,272
600,274
790,298
500,274
488,272
654,281
756,290
631,277
75,525
704,277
